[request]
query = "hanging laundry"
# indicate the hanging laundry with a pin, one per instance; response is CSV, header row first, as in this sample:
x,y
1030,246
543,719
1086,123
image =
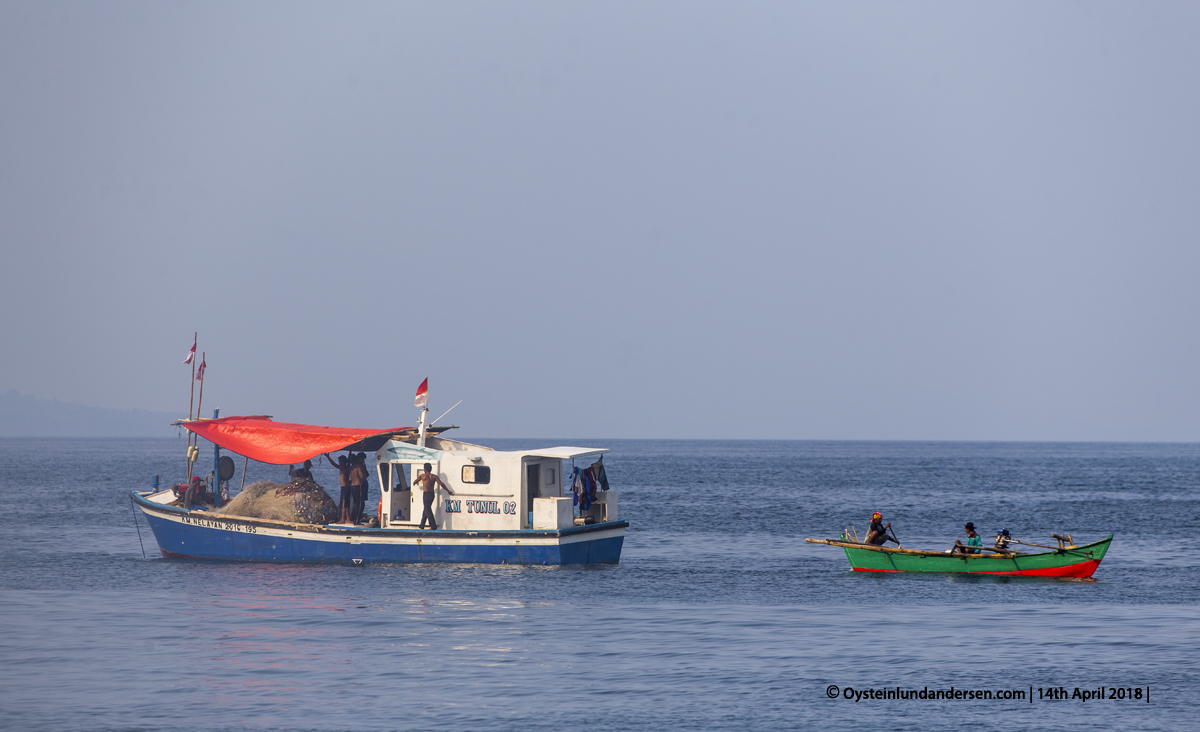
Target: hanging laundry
x,y
589,486
582,497
601,476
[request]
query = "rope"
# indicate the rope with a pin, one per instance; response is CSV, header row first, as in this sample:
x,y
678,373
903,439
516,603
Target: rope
x,y
139,528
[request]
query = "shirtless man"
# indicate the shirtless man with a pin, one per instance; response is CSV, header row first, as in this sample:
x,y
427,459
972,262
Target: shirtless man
x,y
343,466
428,483
358,486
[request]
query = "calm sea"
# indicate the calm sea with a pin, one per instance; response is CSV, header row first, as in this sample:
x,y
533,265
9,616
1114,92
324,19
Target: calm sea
x,y
719,616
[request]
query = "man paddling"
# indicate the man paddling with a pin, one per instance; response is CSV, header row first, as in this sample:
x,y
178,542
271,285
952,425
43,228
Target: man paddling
x,y
973,540
877,532
429,483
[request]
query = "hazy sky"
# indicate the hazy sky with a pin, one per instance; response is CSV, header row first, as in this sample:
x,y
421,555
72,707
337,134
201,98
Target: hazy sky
x,y
778,220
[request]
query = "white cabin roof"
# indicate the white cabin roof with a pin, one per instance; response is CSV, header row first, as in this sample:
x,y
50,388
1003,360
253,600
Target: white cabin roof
x,y
566,453
396,451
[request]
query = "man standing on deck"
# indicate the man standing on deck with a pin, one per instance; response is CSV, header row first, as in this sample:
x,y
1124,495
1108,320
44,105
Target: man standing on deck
x,y
358,486
877,532
343,466
429,483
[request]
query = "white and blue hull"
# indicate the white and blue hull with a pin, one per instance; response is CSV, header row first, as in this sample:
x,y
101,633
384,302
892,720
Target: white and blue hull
x,y
210,536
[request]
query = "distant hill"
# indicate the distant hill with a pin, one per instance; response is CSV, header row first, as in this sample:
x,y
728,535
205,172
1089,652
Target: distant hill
x,y
22,415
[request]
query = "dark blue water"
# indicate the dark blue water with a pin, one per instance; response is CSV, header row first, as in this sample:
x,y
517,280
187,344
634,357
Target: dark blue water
x,y
718,617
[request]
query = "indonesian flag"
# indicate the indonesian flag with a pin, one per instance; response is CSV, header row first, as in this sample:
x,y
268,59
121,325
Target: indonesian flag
x,y
422,394
200,371
191,355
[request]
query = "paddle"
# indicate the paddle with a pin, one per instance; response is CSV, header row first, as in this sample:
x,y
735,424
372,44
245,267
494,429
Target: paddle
x,y
893,533
874,548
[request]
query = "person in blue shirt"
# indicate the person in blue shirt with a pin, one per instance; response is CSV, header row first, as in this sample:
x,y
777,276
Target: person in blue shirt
x,y
973,540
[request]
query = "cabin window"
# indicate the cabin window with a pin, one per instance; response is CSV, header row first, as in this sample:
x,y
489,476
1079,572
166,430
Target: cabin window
x,y
476,474
400,475
548,477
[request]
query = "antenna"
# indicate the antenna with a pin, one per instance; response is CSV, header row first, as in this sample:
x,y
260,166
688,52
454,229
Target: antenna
x,y
460,401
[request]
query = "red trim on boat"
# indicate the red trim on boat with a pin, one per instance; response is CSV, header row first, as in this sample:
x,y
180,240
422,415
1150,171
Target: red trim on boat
x,y
1083,569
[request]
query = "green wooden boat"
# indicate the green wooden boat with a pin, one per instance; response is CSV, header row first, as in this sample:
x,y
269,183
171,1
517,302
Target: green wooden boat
x,y
1067,560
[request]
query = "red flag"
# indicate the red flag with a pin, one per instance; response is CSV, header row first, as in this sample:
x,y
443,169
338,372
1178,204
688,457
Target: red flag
x,y
191,355
200,371
422,394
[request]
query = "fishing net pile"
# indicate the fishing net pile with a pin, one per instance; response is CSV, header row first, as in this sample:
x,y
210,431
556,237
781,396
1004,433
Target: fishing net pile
x,y
301,501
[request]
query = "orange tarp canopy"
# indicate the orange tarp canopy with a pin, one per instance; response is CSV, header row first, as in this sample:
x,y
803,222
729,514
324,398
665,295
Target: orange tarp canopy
x,y
278,443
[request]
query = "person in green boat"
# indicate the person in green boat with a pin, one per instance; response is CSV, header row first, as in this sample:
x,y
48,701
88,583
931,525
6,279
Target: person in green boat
x,y
973,540
877,532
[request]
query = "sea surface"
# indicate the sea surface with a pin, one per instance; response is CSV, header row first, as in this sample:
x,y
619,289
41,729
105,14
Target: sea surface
x,y
718,617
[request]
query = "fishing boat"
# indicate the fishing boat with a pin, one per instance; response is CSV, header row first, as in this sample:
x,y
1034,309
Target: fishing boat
x,y
507,507
1064,560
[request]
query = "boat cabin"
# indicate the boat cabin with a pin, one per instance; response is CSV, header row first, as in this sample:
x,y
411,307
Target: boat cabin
x,y
493,490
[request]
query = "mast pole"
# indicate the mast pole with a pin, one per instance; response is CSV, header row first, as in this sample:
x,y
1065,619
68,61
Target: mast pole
x,y
216,464
422,401
191,399
204,360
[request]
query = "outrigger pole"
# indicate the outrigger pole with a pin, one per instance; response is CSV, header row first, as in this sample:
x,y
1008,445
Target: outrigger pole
x,y
889,550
